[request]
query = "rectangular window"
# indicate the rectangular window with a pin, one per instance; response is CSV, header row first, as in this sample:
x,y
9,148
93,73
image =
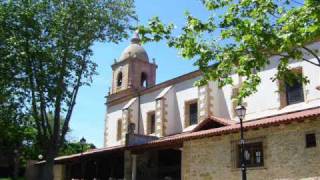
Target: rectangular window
x,y
190,112
294,92
253,154
151,122
311,140
193,113
119,129
291,93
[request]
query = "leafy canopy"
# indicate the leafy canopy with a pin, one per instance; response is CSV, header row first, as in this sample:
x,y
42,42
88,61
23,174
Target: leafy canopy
x,y
240,37
45,50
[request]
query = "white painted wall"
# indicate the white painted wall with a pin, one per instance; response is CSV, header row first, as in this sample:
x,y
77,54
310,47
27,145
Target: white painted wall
x,y
265,102
113,114
185,91
147,104
220,105
174,119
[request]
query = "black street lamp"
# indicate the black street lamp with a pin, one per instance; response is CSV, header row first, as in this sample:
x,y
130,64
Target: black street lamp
x,y
82,143
241,112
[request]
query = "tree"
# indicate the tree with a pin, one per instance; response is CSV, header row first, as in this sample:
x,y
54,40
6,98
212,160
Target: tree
x,y
241,37
75,147
45,48
16,136
17,129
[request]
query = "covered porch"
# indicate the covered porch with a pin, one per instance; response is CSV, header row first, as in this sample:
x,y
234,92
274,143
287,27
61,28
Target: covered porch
x,y
135,162
156,164
106,163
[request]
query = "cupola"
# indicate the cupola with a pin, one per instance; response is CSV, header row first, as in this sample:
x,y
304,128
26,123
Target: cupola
x,y
133,69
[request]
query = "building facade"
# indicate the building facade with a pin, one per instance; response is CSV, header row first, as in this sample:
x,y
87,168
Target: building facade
x,y
175,130
165,109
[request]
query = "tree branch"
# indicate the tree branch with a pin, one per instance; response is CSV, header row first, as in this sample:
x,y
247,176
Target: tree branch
x,y
282,55
44,116
312,53
297,2
73,100
311,62
57,104
34,111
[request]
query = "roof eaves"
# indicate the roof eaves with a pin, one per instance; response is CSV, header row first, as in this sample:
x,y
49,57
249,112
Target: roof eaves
x,y
234,128
275,120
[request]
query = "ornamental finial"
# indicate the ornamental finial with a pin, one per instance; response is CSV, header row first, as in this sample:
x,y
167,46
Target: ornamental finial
x,y
135,39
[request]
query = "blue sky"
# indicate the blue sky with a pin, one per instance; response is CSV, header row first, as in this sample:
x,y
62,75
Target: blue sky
x,y
88,117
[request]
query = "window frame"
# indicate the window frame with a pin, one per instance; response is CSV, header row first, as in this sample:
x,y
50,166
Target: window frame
x,y
119,79
287,92
119,129
144,80
252,146
235,152
283,90
307,145
187,105
150,124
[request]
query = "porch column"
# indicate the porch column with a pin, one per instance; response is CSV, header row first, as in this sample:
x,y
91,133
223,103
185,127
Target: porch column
x,y
134,166
130,166
59,172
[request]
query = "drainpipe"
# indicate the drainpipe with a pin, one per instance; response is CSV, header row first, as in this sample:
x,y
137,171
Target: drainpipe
x,y
139,112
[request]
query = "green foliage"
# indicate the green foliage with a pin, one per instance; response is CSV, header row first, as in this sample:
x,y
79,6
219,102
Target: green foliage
x,y
45,50
241,36
74,148
17,134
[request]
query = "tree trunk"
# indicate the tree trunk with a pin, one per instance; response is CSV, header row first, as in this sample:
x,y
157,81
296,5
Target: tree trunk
x,y
46,170
16,165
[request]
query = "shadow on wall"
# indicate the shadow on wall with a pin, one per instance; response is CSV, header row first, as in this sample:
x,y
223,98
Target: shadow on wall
x,y
145,99
223,110
177,108
141,128
176,114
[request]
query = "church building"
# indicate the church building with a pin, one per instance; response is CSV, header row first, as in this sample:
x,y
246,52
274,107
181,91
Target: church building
x,y
175,130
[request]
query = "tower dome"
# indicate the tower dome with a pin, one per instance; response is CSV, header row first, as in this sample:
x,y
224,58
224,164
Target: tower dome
x,y
133,71
134,50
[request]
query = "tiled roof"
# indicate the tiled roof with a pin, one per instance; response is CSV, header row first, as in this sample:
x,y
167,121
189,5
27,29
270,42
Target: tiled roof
x,y
210,120
89,153
230,127
252,124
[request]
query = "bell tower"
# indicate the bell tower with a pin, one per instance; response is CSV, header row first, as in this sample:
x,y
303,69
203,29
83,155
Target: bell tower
x,y
133,71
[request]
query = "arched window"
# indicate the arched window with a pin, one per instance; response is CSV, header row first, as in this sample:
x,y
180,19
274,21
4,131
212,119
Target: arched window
x,y
119,79
144,82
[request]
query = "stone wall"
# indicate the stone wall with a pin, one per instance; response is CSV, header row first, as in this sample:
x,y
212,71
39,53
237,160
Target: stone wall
x,y
285,154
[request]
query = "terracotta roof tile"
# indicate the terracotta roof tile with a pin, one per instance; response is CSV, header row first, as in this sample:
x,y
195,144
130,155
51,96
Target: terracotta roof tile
x,y
186,136
213,119
89,153
252,124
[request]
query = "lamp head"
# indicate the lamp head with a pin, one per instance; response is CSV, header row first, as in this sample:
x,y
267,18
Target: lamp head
x,y
241,111
82,141
40,156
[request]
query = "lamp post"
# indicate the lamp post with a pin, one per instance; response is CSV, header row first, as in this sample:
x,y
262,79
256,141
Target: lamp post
x,y
82,143
241,112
